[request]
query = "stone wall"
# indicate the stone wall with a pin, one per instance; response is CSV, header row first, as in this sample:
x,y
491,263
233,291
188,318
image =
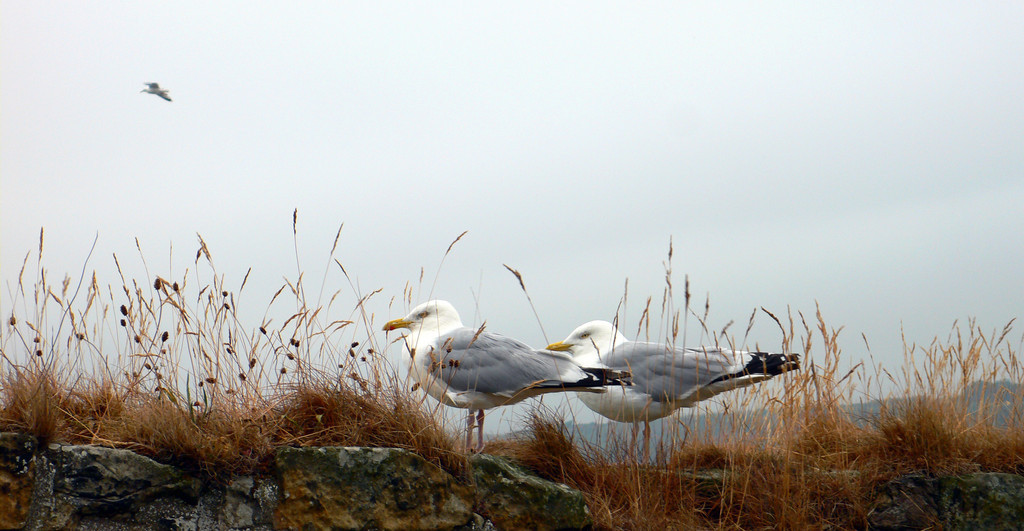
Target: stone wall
x,y
93,487
987,501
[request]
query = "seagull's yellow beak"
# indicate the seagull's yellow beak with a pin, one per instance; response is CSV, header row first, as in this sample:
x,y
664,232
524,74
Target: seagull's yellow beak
x,y
558,347
396,324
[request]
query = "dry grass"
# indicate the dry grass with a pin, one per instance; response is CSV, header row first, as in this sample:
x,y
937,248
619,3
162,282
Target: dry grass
x,y
167,369
32,404
811,463
185,381
321,414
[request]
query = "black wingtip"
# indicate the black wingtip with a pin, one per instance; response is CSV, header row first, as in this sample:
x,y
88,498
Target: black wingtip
x,y
765,363
772,364
606,376
596,377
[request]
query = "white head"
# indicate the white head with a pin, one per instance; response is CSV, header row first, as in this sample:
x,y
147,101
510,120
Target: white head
x,y
435,315
589,341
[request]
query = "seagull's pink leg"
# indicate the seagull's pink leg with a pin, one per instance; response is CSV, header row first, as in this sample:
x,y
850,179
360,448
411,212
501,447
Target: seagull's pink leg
x,y
647,441
469,430
632,442
480,430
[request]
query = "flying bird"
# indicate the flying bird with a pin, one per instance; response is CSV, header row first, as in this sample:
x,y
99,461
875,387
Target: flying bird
x,y
154,88
475,369
664,377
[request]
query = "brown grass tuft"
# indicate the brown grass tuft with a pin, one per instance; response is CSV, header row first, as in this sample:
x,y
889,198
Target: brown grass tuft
x,y
621,495
32,402
322,412
217,443
547,447
921,434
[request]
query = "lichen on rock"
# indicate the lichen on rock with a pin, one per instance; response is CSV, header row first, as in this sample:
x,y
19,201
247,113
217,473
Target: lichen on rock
x,y
513,498
972,501
360,488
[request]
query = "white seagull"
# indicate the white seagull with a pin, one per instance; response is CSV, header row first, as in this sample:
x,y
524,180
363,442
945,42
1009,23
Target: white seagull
x,y
664,377
154,88
475,369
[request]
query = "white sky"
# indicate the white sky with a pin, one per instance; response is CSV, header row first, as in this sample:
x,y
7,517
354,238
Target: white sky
x,y
865,155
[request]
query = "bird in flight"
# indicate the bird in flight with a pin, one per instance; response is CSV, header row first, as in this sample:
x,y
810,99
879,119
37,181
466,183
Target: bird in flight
x,y
154,88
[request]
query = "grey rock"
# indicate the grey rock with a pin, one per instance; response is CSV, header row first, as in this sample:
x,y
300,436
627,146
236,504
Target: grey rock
x,y
367,488
102,479
982,501
107,488
973,501
248,502
908,502
514,498
17,452
238,511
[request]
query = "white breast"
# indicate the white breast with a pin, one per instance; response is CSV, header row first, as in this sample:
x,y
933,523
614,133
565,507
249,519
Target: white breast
x,y
623,404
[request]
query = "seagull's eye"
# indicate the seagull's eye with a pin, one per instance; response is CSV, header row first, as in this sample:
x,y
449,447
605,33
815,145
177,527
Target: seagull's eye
x,y
584,335
423,315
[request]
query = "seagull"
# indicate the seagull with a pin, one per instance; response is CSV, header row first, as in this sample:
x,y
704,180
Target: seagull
x,y
664,377
154,88
475,369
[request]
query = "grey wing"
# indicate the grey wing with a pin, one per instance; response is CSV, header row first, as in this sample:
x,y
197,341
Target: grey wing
x,y
667,373
492,363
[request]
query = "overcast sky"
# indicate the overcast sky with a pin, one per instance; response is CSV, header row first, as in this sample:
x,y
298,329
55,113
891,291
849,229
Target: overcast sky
x,y
864,156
